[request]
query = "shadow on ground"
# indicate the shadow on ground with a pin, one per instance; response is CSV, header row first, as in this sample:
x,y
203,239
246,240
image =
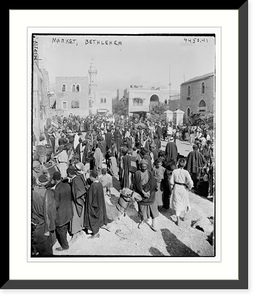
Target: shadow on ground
x,y
174,246
155,252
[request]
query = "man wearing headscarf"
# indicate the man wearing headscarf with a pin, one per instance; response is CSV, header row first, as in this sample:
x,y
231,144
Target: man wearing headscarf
x,y
145,185
80,149
194,163
62,192
98,158
43,216
171,151
62,159
117,138
181,183
125,168
95,209
78,188
108,139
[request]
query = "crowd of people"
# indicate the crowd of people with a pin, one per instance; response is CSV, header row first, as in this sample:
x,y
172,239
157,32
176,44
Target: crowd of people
x,y
76,162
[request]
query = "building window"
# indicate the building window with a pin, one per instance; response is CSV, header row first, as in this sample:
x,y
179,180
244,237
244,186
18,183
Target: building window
x,y
202,87
189,90
75,87
63,88
75,104
202,106
137,101
64,105
104,100
101,100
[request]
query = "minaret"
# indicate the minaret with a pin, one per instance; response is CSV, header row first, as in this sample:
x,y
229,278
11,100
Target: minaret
x,y
92,84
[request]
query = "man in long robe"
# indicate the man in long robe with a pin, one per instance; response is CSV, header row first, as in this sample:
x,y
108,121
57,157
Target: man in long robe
x,y
63,199
108,139
171,152
118,138
78,188
80,149
195,161
145,185
43,217
95,209
181,183
125,169
62,159
98,158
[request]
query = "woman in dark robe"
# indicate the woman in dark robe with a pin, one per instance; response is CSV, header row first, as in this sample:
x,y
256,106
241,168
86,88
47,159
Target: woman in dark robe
x,y
145,185
95,209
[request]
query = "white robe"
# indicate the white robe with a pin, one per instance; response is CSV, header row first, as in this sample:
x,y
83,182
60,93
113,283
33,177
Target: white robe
x,y
62,159
76,140
180,195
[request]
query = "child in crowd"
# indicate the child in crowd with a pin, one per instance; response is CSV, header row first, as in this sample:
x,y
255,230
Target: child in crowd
x,y
159,171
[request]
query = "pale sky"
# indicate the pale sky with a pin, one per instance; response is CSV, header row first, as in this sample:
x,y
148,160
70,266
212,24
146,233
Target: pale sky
x,y
137,60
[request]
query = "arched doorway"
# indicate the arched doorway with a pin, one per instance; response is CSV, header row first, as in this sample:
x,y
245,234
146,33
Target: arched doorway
x,y
154,99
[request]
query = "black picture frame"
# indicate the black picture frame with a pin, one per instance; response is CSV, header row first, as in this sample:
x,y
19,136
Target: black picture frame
x,y
242,282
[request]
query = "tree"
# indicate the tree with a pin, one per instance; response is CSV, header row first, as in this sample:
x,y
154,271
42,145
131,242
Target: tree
x,y
120,107
157,109
200,119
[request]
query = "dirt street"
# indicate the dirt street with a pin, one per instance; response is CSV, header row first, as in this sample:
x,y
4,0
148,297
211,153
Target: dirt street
x,y
193,237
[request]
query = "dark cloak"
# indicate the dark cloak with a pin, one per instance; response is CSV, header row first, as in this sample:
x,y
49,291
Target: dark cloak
x,y
44,216
125,172
150,186
77,150
194,161
78,187
86,153
108,139
171,151
95,209
63,203
117,138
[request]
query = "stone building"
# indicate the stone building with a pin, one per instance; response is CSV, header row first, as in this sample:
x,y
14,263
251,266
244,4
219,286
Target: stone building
x,y
72,96
198,94
40,99
102,102
139,98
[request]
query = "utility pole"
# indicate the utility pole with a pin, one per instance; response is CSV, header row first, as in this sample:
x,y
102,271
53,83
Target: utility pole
x,y
169,82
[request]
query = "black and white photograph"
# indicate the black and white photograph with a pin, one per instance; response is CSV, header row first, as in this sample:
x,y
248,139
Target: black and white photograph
x,y
123,145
